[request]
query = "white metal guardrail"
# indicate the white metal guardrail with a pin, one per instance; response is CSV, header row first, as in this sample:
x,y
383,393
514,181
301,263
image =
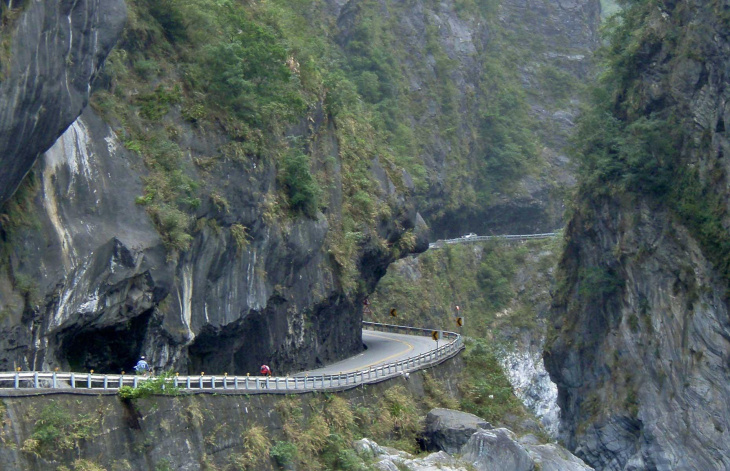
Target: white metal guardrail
x,y
466,239
40,380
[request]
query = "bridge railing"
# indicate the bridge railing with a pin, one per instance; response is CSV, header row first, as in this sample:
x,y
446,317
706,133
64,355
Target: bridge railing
x,y
452,344
463,240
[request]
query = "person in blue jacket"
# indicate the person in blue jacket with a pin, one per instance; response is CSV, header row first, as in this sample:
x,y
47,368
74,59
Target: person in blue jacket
x,y
142,367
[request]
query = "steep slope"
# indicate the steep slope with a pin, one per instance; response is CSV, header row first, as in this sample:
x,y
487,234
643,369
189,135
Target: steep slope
x,y
505,170
51,51
639,344
250,169
259,168
177,238
503,293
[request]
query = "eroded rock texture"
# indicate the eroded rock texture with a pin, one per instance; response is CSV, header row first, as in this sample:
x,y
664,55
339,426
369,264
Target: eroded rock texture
x,y
57,48
105,289
90,284
544,37
640,345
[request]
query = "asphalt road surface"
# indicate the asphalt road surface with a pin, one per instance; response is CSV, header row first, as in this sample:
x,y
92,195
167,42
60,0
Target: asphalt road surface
x,y
382,347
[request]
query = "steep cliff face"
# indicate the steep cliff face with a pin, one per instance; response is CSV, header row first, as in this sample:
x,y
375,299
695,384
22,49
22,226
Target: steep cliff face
x,y
104,290
639,345
495,95
56,49
253,183
222,283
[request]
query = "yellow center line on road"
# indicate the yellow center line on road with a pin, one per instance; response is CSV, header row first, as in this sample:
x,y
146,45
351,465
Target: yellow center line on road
x,y
383,360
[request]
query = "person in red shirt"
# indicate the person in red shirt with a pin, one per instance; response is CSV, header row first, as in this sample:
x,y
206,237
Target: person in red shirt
x,y
265,370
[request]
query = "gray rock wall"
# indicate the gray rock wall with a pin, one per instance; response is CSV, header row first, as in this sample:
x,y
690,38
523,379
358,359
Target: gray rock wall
x,y
640,358
88,283
57,48
543,34
106,291
641,377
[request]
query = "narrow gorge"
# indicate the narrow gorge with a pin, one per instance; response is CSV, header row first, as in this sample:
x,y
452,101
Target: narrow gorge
x,y
218,184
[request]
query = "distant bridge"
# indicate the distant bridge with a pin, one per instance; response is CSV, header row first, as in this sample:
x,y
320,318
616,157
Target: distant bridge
x,y
475,238
365,371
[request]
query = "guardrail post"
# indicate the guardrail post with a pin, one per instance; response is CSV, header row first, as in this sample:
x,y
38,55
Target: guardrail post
x,y
35,379
330,381
235,382
225,382
200,383
187,383
73,381
88,381
106,382
212,382
257,383
135,382
17,380
55,382
121,381
246,380
267,382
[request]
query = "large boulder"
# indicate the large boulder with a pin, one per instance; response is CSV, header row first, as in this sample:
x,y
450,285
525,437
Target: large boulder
x,y
496,450
449,430
552,457
389,459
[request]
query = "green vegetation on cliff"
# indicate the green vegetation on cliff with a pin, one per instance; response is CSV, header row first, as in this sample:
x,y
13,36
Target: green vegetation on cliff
x,y
480,278
636,140
260,75
502,290
219,432
646,270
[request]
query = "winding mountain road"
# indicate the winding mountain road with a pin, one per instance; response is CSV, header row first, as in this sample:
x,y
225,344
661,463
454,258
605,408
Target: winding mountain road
x,y
381,348
391,351
468,239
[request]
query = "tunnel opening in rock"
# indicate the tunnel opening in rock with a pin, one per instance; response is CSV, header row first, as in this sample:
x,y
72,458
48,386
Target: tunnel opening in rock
x,y
236,349
110,349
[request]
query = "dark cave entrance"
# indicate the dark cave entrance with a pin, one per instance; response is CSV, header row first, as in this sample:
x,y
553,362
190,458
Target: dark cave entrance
x,y
107,350
237,349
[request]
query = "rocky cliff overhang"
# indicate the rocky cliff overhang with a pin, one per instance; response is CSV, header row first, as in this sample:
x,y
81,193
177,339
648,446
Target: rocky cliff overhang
x,y
57,48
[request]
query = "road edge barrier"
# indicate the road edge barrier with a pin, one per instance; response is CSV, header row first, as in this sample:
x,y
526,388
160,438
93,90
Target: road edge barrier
x,y
26,383
469,239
